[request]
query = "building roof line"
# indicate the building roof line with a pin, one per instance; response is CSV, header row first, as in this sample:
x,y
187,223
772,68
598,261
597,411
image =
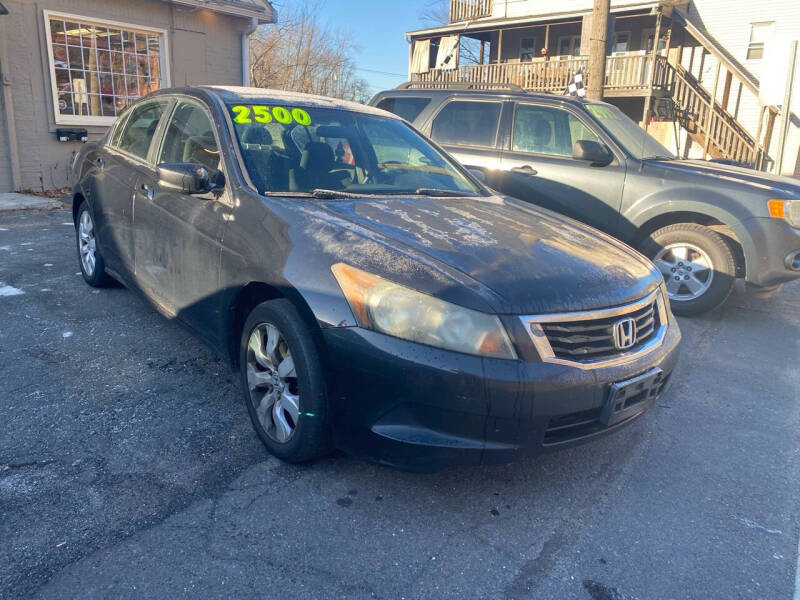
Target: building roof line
x,y
259,9
489,23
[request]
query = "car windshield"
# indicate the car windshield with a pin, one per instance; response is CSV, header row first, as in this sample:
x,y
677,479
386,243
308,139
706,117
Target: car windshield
x,y
639,144
333,152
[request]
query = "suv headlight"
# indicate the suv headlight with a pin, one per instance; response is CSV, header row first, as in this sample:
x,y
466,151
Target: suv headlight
x,y
401,312
788,210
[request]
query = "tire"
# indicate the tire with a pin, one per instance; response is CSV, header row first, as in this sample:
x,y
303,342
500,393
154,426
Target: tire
x,y
94,270
708,267
299,401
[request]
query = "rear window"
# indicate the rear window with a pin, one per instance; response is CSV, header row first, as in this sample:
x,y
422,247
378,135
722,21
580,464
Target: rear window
x,y
407,108
467,123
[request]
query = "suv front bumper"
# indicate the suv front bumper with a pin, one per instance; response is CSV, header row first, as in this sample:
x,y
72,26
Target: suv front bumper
x,y
771,242
420,408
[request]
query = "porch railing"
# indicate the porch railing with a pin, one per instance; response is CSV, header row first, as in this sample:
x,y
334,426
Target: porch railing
x,y
467,10
625,72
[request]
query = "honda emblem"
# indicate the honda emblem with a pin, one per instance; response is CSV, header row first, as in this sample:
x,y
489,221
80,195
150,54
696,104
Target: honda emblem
x,y
625,334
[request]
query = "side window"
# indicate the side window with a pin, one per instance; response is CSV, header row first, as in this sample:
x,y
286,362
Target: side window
x,y
119,125
547,130
136,134
406,108
190,138
467,123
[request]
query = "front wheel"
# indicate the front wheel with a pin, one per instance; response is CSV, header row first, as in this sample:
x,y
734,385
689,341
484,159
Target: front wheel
x,y
283,383
697,265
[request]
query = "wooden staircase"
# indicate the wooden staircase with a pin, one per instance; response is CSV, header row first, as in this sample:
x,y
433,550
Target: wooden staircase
x,y
710,124
706,117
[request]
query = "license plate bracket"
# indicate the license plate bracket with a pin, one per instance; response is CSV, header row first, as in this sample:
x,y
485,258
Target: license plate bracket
x,y
631,397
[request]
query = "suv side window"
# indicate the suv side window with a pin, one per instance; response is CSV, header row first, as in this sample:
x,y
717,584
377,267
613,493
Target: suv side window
x,y
190,138
467,123
138,131
547,130
407,108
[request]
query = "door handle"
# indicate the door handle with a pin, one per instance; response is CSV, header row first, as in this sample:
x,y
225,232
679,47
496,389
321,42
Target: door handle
x,y
527,169
147,191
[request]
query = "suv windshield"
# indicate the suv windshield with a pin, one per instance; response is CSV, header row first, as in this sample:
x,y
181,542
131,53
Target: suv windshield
x,y
307,150
633,138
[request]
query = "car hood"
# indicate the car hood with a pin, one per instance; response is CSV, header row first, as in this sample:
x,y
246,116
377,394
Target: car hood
x,y
532,260
722,174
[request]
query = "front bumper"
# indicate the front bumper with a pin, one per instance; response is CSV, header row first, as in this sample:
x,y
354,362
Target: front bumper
x,y
771,242
422,409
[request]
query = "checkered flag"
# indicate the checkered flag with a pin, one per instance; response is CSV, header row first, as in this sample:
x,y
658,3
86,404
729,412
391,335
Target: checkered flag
x,y
576,87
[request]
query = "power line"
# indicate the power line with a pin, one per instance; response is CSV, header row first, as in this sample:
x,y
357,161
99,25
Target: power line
x,y
381,72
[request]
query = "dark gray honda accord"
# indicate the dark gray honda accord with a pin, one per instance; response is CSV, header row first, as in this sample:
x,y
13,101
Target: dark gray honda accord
x,y
373,294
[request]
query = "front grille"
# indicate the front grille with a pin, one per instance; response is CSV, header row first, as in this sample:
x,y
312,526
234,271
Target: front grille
x,y
587,338
593,339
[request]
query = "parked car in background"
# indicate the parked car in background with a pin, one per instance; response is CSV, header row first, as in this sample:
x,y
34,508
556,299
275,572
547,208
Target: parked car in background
x,y
703,224
373,294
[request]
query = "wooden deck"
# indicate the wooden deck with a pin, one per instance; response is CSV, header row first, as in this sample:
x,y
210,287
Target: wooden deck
x,y
626,75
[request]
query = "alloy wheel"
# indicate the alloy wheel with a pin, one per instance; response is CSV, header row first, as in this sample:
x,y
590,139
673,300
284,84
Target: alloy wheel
x,y
687,270
272,382
87,243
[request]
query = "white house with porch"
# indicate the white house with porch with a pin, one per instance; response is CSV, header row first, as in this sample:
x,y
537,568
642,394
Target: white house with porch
x,y
721,65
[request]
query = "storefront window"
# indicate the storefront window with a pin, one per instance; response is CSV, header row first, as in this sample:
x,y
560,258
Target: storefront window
x,y
98,68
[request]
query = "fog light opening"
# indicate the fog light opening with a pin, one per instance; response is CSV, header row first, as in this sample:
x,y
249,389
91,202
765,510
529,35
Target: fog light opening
x,y
793,261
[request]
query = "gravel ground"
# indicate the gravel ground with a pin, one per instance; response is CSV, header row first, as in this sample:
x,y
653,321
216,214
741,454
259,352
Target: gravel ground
x,y
128,468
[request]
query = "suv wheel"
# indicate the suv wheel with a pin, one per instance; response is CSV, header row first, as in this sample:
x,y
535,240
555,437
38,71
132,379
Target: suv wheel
x,y
283,383
697,264
93,268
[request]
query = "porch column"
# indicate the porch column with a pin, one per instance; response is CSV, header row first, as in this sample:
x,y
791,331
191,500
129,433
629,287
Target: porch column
x,y
653,58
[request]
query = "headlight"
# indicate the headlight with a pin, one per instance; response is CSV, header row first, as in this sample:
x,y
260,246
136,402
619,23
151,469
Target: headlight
x,y
405,313
789,210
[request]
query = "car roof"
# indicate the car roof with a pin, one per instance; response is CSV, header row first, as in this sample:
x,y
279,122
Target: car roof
x,y
454,91
251,95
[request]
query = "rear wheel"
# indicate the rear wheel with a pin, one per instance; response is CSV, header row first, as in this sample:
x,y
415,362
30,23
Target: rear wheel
x,y
283,383
697,265
93,268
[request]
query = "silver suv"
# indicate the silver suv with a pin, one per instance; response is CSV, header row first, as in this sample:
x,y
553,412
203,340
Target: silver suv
x,y
704,224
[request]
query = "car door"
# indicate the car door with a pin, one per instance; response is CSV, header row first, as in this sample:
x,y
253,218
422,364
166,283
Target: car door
x,y
539,166
116,172
178,236
468,129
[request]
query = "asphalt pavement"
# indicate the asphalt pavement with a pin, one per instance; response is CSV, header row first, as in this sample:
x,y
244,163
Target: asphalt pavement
x,y
129,469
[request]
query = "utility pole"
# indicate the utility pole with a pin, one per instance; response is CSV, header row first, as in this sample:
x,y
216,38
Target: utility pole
x,y
597,49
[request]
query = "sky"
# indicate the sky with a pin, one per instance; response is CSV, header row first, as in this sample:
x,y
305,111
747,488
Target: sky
x,y
378,28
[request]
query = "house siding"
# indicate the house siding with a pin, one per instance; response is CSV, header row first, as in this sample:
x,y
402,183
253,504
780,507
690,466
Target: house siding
x,y
513,9
215,58
731,28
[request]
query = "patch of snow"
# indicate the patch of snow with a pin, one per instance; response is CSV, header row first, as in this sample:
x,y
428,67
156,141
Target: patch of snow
x,y
7,290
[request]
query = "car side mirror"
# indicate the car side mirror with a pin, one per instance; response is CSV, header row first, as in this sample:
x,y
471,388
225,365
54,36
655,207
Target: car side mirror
x,y
189,178
593,152
477,174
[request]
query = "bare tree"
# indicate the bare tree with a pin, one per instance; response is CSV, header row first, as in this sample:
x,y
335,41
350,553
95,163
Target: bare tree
x,y
436,13
303,54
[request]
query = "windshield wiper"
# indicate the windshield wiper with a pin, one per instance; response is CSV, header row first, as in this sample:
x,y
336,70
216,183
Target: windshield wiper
x,y
657,157
443,193
322,194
